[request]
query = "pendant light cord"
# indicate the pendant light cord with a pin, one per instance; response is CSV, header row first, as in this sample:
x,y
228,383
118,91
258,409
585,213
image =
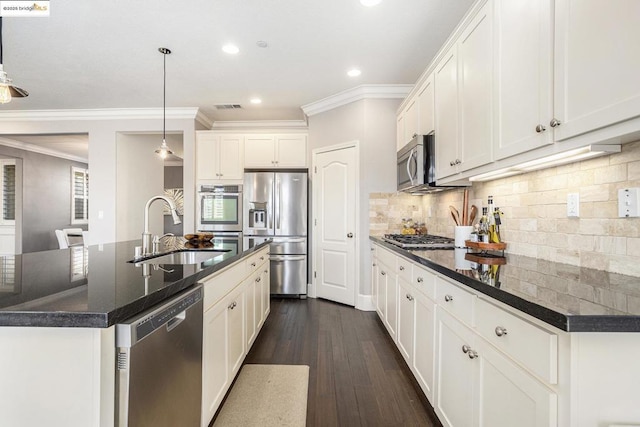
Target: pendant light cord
x,y
164,98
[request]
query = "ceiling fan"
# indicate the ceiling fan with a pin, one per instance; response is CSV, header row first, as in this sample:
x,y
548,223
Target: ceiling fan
x,y
7,90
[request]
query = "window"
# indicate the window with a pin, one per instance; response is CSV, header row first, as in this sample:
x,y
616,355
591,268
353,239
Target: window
x,y
79,196
8,191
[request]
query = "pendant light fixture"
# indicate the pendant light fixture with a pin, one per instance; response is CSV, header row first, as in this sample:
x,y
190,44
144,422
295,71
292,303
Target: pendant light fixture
x,y
7,90
164,150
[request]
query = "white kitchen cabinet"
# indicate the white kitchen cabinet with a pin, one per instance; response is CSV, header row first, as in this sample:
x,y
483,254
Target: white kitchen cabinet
x,y
508,396
523,76
275,151
463,99
391,305
446,113
233,316
596,63
426,118
406,320
408,122
215,375
424,343
457,373
219,157
475,75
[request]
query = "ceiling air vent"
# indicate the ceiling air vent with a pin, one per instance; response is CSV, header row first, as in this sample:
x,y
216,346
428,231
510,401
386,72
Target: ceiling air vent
x,y
229,107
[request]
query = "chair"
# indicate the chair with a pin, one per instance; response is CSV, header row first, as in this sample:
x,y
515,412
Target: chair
x,y
62,239
73,236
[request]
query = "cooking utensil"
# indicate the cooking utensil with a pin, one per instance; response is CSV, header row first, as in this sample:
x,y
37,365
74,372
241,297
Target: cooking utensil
x,y
472,214
455,214
465,207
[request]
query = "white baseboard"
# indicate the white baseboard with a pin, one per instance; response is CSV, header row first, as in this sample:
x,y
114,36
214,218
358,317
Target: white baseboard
x,y
311,290
365,303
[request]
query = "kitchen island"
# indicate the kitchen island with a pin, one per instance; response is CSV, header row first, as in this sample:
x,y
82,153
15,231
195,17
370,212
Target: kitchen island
x,y
522,341
58,311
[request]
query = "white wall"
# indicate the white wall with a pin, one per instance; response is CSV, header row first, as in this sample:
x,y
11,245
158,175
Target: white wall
x,y
373,123
102,158
139,176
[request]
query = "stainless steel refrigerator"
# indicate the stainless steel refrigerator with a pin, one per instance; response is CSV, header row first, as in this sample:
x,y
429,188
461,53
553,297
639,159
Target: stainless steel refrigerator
x,y
275,207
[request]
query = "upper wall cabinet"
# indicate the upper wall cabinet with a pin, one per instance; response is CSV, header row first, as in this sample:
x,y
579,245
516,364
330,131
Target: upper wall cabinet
x,y
597,61
219,157
275,151
463,99
523,77
417,116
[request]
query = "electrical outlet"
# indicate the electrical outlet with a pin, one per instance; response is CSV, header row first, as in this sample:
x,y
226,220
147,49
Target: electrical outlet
x,y
628,202
573,205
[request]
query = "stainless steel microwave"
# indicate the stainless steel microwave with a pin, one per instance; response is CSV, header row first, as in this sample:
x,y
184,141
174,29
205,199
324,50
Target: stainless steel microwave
x,y
416,166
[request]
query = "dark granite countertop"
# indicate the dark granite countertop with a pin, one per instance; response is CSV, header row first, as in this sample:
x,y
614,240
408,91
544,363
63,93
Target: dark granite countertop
x,y
571,298
93,287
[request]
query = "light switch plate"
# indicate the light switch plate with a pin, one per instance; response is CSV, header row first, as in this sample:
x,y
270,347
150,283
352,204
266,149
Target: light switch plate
x,y
628,199
573,205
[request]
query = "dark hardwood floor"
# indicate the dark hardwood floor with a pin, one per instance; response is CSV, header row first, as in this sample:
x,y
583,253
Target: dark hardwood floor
x,y
357,376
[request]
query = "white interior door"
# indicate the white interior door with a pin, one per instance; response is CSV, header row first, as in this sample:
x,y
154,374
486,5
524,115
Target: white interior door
x,y
334,209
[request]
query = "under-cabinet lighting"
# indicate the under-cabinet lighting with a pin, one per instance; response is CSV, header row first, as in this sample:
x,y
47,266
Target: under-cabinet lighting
x,y
558,159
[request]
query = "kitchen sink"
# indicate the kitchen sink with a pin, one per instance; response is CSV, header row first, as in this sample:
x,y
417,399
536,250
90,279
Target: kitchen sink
x,y
183,257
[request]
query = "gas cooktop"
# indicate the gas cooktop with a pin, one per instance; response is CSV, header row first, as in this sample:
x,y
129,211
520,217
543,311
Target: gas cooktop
x,y
419,241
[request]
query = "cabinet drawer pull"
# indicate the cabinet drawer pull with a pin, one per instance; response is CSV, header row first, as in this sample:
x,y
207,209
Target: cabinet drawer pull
x,y
500,331
232,305
266,271
383,273
401,268
409,297
261,258
374,264
258,279
253,264
419,280
448,298
452,163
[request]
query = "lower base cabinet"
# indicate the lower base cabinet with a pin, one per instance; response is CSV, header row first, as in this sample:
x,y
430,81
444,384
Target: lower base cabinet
x,y
424,343
231,325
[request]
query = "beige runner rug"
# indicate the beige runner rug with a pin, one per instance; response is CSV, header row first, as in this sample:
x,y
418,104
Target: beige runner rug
x,y
267,395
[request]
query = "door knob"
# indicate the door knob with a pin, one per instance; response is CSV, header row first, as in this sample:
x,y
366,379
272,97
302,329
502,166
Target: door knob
x,y
555,122
540,128
350,235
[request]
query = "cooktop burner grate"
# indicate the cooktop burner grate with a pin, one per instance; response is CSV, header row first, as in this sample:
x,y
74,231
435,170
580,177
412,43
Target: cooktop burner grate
x,y
419,241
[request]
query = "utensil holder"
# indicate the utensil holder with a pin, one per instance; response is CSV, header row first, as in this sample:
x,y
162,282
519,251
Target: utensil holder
x,y
462,233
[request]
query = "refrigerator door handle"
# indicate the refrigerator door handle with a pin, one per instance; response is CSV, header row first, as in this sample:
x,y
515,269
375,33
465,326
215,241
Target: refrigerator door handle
x,y
277,241
287,258
278,204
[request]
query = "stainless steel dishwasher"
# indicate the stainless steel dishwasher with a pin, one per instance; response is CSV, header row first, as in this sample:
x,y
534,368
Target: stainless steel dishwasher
x,y
159,364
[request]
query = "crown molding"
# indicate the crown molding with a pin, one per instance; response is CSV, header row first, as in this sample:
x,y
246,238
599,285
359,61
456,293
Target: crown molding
x,y
356,94
100,114
41,150
204,120
261,125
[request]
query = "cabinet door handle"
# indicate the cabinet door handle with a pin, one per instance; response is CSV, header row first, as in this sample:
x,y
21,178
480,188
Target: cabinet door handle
x,y
555,122
409,297
420,280
452,163
401,268
540,128
469,351
374,264
458,161
383,273
253,264
261,258
500,331
350,235
448,298
266,271
232,305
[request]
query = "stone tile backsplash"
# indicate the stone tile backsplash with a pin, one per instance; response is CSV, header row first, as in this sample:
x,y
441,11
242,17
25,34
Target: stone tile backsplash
x,y
535,221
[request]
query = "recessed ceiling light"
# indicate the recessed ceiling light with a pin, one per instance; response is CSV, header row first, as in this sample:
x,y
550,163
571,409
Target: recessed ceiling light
x,y
256,101
354,73
370,3
230,48
262,43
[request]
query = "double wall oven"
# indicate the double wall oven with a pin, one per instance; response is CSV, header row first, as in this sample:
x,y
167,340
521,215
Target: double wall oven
x,y
219,211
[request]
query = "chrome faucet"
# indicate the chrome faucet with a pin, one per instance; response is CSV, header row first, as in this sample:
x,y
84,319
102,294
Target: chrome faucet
x,y
147,238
